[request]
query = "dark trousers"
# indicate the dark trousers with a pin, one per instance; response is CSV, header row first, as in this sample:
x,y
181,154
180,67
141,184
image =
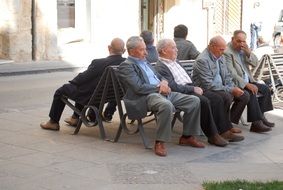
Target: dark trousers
x,y
70,91
258,105
238,107
207,123
220,103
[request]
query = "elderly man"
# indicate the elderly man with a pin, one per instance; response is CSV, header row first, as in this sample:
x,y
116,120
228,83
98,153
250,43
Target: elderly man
x,y
238,58
212,108
210,73
149,91
81,87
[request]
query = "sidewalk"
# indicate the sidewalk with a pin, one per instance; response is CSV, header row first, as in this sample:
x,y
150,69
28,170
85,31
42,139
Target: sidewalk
x,y
8,68
36,159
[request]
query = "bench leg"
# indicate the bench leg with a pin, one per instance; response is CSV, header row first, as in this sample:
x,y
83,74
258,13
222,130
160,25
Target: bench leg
x,y
78,127
142,134
118,134
101,128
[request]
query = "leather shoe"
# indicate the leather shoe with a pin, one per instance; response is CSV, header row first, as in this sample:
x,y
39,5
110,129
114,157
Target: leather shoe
x,y
159,149
235,130
50,125
267,123
190,141
232,137
217,140
72,121
259,127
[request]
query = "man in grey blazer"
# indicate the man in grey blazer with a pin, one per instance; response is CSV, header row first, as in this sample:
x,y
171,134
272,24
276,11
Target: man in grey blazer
x,y
239,58
149,91
210,73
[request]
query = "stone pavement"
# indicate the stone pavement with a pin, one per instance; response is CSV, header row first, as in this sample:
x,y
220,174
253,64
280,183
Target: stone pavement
x,y
36,159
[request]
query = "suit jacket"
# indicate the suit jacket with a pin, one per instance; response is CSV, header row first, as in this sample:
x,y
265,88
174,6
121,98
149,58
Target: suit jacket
x,y
186,49
162,69
233,62
138,87
205,70
87,81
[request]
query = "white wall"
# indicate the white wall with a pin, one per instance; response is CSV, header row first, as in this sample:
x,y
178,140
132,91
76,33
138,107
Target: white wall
x,y
191,14
112,18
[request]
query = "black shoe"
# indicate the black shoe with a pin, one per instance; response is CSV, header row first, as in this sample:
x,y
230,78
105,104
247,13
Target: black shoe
x,y
267,123
259,127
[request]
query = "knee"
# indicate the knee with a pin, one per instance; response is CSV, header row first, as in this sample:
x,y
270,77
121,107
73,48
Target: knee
x,y
166,106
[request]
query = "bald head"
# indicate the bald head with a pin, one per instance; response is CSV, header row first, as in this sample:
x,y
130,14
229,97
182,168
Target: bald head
x,y
217,46
117,47
217,40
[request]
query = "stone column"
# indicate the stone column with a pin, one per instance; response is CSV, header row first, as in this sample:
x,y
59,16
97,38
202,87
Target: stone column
x,y
15,27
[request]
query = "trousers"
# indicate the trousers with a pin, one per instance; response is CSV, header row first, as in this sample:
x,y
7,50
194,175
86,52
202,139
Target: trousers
x,y
69,90
164,107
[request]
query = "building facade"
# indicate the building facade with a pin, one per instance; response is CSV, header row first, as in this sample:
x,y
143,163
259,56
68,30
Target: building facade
x,y
43,30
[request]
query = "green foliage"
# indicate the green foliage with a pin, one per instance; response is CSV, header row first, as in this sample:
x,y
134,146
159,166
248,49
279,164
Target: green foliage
x,y
243,185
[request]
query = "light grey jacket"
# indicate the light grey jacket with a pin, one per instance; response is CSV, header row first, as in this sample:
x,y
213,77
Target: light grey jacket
x,y
205,70
234,65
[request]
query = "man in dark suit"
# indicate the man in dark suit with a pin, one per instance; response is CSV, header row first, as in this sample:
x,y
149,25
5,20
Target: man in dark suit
x,y
238,59
212,118
82,86
149,91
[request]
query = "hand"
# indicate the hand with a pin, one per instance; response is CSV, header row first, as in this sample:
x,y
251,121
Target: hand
x,y
246,48
198,90
237,92
253,88
164,89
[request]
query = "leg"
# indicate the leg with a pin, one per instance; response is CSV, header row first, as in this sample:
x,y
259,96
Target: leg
x,y
207,123
58,106
219,103
239,106
190,105
164,113
265,102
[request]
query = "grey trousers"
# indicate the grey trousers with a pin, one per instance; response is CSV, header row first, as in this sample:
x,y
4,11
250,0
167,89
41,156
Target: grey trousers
x,y
164,107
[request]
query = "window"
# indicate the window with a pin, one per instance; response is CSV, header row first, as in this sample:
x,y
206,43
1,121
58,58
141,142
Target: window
x,y
66,13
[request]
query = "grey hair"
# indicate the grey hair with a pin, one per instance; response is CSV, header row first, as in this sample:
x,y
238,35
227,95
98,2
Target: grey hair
x,y
133,42
162,44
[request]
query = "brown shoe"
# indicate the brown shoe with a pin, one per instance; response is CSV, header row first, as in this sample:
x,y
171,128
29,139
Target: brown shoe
x,y
235,130
72,121
217,140
190,141
159,149
232,137
50,125
259,127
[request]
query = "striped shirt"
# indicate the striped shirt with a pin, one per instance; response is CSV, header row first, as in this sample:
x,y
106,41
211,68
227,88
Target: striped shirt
x,y
181,77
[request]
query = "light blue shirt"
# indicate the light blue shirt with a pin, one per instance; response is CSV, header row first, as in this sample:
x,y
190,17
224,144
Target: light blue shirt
x,y
218,79
153,79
